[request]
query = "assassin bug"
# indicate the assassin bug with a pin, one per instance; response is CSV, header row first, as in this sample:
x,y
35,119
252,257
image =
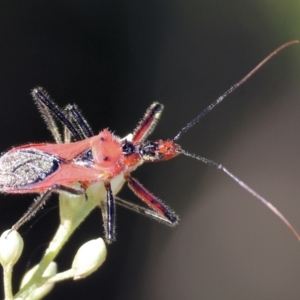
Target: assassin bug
x,y
87,158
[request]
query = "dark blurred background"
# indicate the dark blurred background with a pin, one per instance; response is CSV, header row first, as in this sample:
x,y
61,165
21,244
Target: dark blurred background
x,y
113,58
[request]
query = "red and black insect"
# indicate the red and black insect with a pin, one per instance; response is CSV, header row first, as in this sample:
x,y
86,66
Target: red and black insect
x,y
87,158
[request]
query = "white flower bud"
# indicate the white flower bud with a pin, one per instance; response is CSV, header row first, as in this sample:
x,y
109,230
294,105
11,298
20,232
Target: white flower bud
x,y
89,257
11,247
43,290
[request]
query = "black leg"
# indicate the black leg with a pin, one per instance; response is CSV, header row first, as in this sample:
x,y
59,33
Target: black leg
x,y
47,115
41,200
40,96
144,211
79,121
108,210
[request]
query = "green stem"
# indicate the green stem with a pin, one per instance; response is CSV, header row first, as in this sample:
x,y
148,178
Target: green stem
x,y
7,275
71,218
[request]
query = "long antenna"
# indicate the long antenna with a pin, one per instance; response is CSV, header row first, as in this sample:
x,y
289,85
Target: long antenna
x,y
233,88
246,187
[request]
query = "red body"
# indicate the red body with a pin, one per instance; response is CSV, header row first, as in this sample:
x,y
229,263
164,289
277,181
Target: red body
x,y
108,162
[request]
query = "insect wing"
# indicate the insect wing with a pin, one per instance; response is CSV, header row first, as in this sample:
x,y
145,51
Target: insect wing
x,y
63,151
37,167
22,168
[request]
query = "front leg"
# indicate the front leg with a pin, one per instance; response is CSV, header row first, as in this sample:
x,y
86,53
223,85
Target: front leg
x,y
153,202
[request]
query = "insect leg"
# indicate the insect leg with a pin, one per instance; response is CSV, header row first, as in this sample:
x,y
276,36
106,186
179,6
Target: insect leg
x,y
143,211
75,116
48,118
66,132
108,210
41,200
40,96
156,204
70,117
148,123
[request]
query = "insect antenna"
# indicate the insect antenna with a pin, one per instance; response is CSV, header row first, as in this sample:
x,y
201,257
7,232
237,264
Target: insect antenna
x,y
220,166
244,186
229,91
